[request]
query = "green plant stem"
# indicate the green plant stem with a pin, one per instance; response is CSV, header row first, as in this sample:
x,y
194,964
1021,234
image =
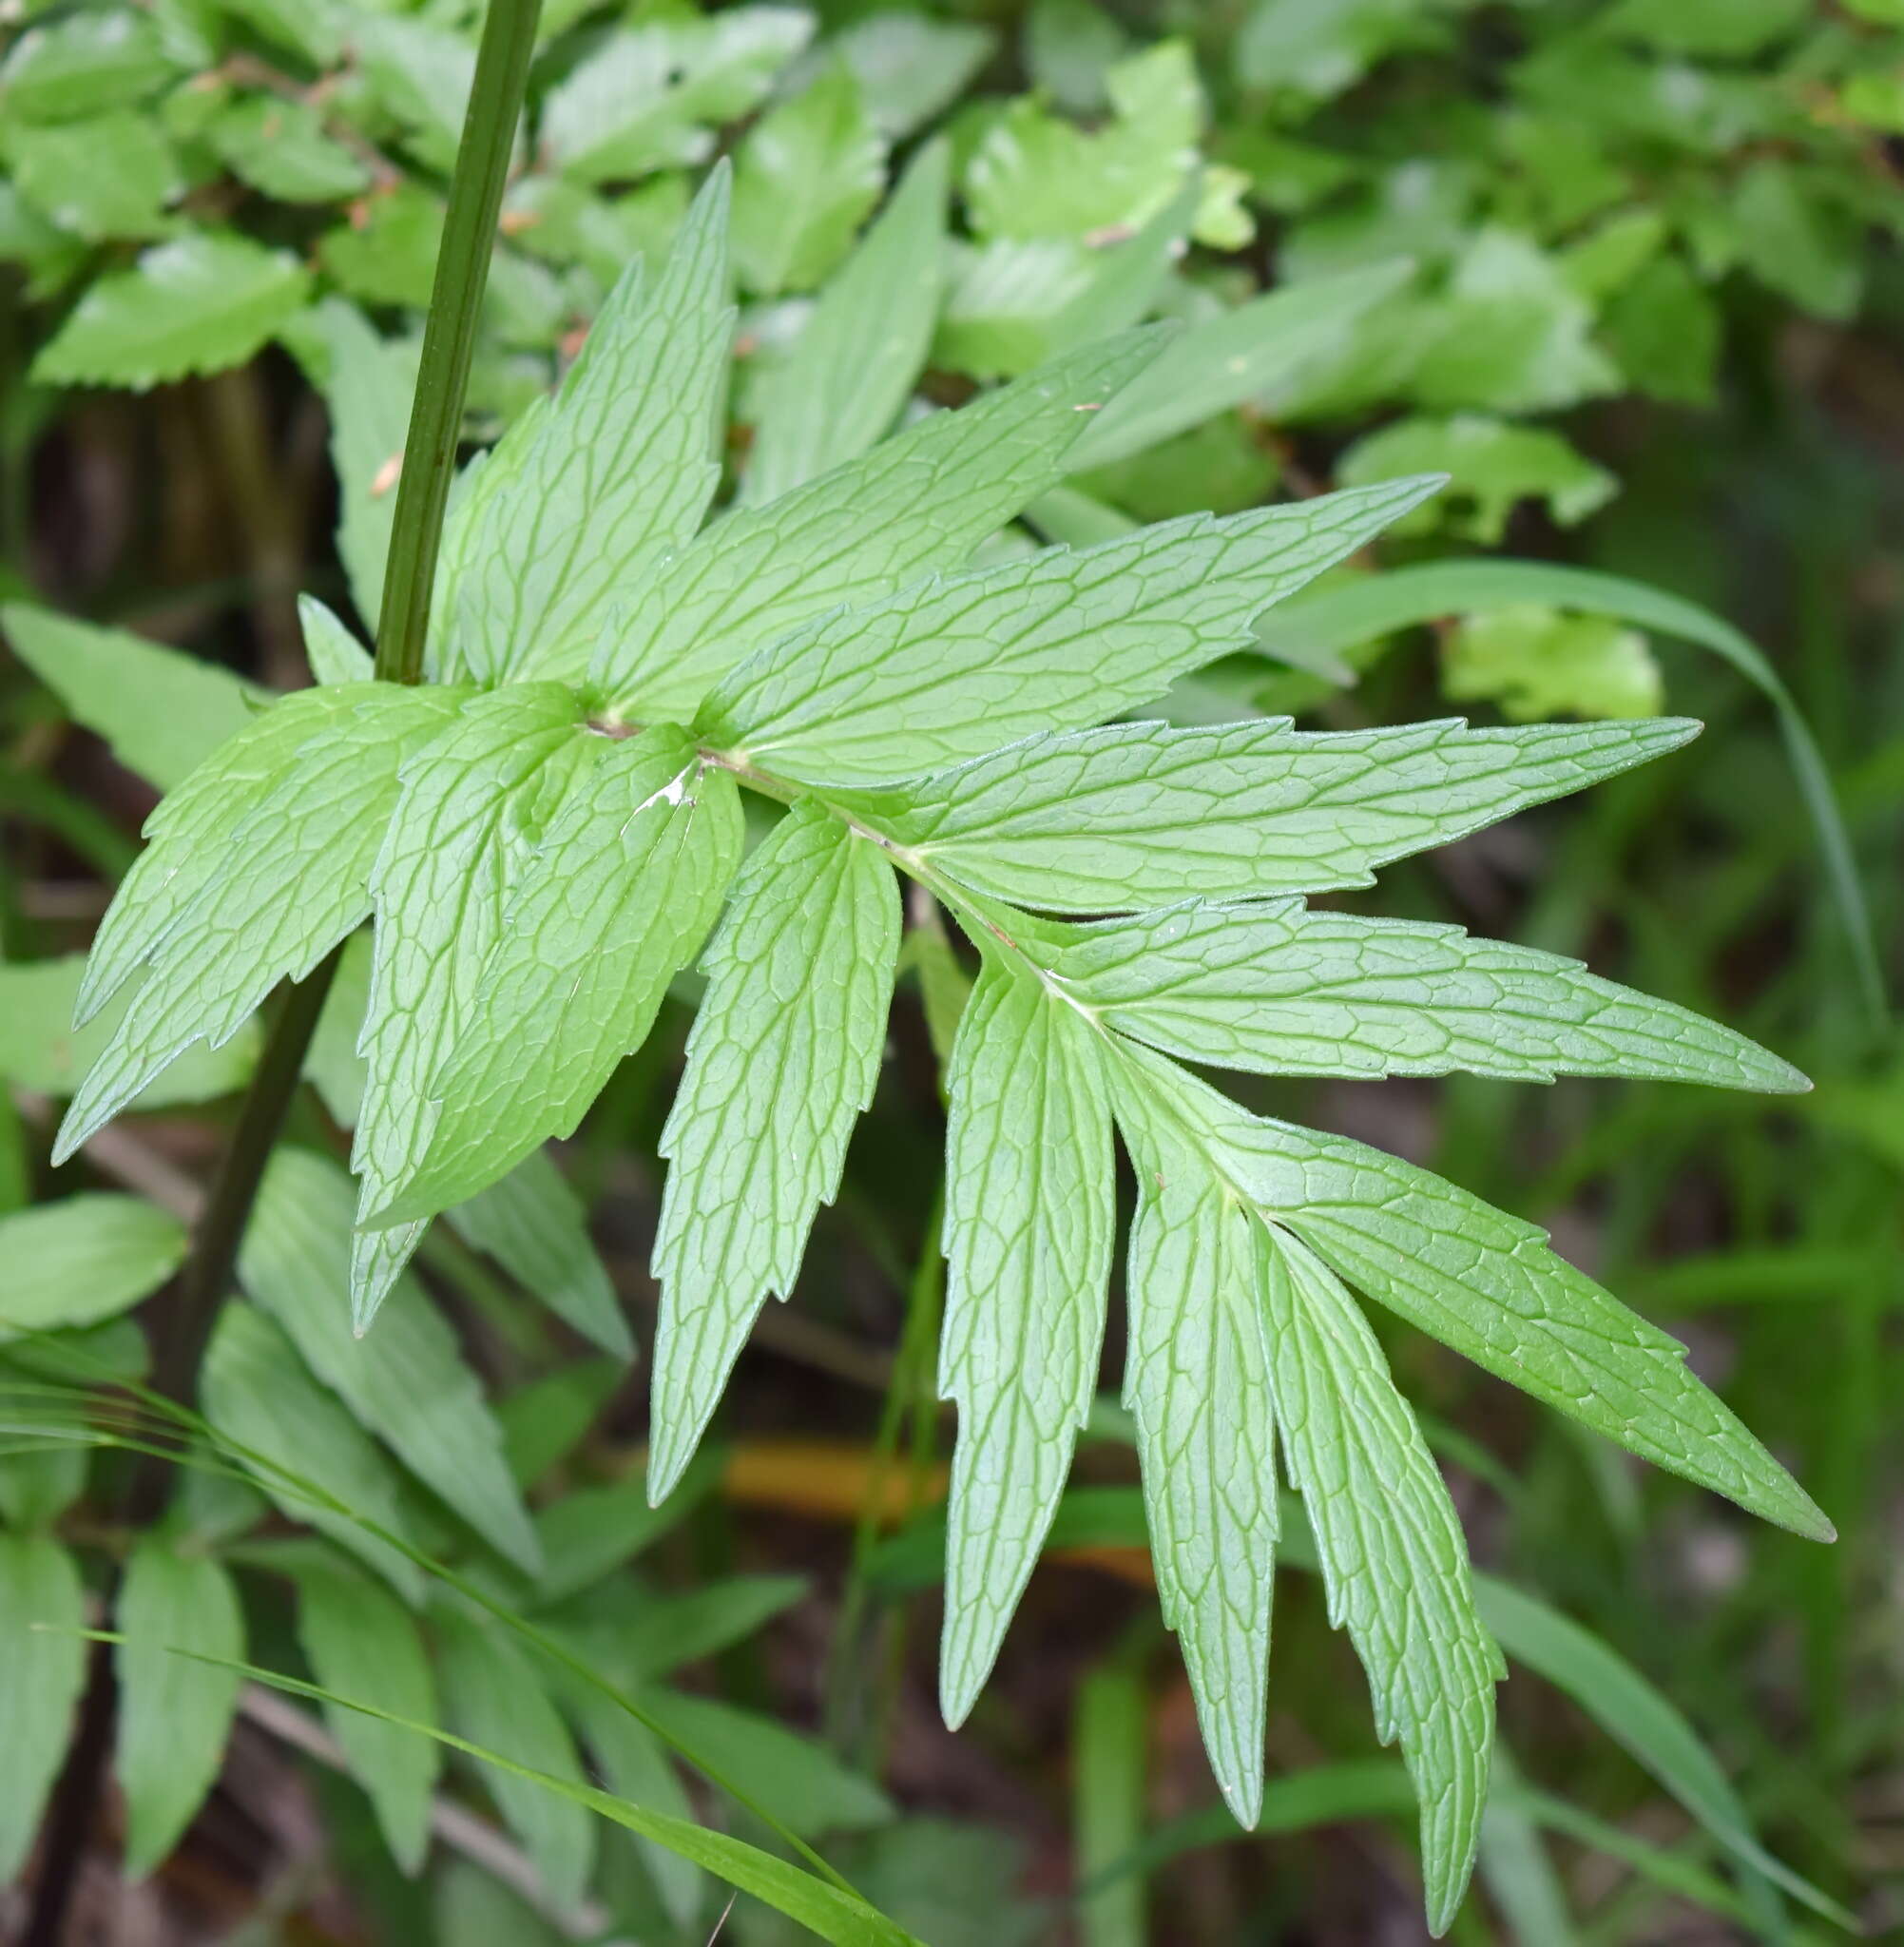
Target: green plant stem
x,y
911,1372
449,335
430,453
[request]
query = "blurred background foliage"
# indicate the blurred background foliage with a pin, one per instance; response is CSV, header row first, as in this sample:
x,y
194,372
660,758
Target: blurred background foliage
x,y
1630,273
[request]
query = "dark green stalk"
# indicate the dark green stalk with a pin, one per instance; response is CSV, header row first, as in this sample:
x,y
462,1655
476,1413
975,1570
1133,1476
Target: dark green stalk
x,y
912,1378
430,456
449,335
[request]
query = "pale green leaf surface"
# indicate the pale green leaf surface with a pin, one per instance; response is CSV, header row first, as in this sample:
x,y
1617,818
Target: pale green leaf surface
x,y
258,865
196,304
41,1049
920,500
42,1670
1197,1383
1138,814
472,807
616,900
1394,1558
1030,1217
1279,989
620,468
362,1642
1339,618
334,653
368,389
494,1694
409,1386
807,174
161,712
854,364
174,1716
534,1227
1486,1285
783,1060
83,1259
959,666
257,1394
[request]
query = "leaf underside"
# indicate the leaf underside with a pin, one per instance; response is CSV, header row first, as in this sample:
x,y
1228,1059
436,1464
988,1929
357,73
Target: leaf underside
x,y
544,848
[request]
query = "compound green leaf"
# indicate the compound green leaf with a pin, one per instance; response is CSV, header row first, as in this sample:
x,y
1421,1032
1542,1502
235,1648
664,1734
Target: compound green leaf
x,y
42,1671
780,1064
961,665
259,864
472,807
924,499
1487,1284
617,470
174,1716
494,1696
363,1643
616,899
808,173
855,362
1197,1383
197,304
1394,1558
300,1444
1138,814
83,1259
1282,990
1030,1217
410,1387
161,713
